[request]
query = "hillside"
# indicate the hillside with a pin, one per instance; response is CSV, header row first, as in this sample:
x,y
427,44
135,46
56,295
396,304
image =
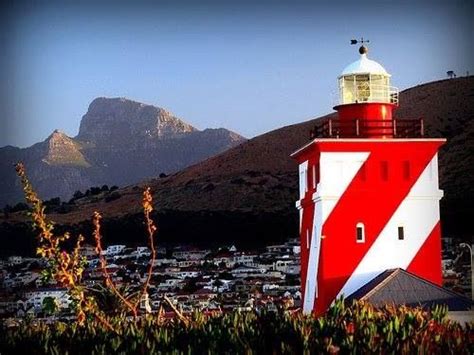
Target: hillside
x,y
247,193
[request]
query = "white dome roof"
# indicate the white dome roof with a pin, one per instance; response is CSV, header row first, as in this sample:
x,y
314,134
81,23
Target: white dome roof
x,y
364,66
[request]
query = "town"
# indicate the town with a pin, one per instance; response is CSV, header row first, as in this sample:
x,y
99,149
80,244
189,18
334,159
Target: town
x,y
221,279
192,278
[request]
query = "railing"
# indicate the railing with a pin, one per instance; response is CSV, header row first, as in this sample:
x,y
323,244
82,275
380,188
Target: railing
x,y
351,94
358,128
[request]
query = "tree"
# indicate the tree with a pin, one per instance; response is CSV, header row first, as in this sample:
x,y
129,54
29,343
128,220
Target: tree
x,y
163,175
20,206
190,286
95,190
113,196
107,299
77,195
65,208
50,305
52,204
6,211
55,201
217,283
105,188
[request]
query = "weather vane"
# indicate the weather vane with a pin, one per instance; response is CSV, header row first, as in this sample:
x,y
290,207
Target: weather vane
x,y
363,49
361,40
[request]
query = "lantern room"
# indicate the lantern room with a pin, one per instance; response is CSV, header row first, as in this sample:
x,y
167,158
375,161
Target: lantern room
x,y
365,105
364,81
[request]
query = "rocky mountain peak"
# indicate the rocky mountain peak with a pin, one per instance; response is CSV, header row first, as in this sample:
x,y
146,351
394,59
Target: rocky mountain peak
x,y
57,135
59,149
115,120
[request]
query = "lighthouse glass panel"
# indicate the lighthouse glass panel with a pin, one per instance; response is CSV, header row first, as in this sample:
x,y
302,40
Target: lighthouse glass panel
x,y
348,91
380,88
362,88
359,88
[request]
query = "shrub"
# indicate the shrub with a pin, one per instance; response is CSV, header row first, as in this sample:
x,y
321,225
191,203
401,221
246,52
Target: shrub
x,y
65,208
95,190
112,196
356,329
20,206
77,195
66,267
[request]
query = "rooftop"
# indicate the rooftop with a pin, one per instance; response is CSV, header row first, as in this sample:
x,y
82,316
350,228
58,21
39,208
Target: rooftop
x,y
364,65
401,287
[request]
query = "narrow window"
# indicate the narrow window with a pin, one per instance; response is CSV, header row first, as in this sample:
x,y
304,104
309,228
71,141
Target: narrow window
x,y
401,233
406,170
384,170
363,172
314,176
360,233
307,239
306,187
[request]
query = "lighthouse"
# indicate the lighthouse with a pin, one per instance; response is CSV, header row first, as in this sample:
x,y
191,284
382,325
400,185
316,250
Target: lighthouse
x,y
368,192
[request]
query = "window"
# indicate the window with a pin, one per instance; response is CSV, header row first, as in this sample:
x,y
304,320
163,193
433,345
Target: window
x,y
305,177
314,176
303,169
363,172
406,170
401,233
363,87
360,233
384,170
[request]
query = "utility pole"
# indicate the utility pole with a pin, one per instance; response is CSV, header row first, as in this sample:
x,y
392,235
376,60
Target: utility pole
x,y
472,266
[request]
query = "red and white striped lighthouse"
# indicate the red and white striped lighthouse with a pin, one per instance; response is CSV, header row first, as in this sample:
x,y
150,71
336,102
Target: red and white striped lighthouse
x,y
369,194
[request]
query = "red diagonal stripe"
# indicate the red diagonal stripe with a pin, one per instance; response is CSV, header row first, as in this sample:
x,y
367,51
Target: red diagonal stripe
x,y
423,264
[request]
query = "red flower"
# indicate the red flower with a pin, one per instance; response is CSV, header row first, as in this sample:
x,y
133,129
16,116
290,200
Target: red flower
x,y
350,328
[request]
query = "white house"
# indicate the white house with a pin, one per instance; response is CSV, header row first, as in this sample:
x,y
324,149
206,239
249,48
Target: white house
x,y
15,260
34,299
114,249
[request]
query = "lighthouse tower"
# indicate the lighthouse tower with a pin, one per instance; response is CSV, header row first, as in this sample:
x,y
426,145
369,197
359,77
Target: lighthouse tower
x,y
369,194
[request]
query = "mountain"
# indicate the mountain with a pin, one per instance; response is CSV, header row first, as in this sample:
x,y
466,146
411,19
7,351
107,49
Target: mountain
x,y
246,195
108,122
120,142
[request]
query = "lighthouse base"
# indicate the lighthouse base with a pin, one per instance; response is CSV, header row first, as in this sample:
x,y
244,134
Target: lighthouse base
x,y
366,205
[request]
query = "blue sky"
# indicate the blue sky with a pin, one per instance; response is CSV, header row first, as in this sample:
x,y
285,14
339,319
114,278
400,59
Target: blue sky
x,y
247,66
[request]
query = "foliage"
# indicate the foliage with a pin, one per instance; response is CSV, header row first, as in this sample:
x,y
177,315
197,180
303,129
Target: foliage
x,y
66,267
356,329
112,196
94,191
20,206
77,195
50,305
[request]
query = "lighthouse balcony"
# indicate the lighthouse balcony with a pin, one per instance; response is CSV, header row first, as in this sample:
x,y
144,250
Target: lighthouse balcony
x,y
364,128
